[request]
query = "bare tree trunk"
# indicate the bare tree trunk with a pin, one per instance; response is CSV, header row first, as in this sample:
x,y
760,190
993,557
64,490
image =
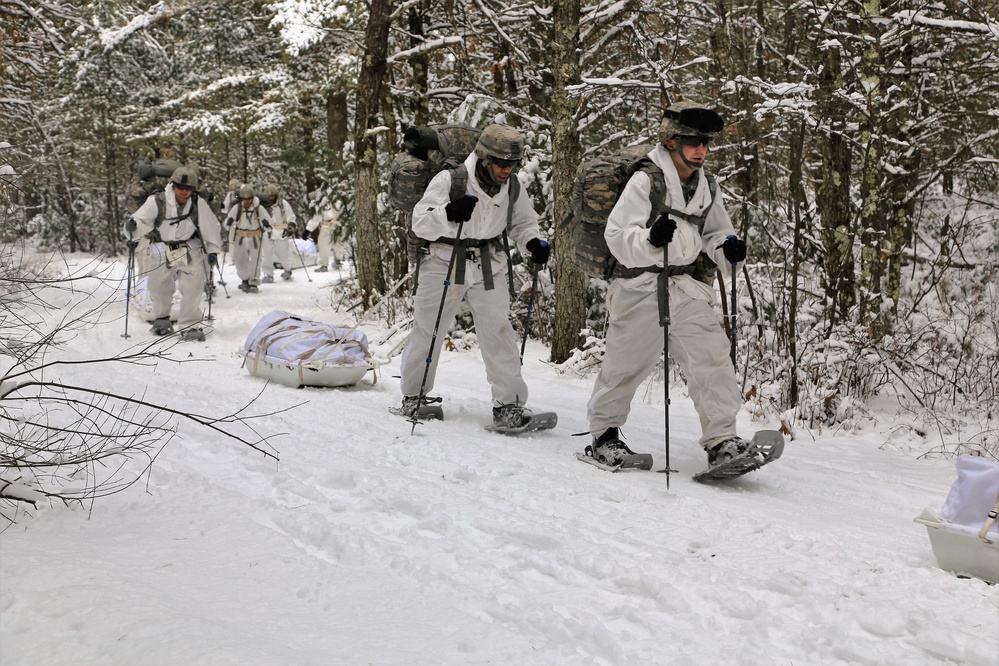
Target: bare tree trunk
x,y
797,204
308,127
336,128
421,66
833,196
369,93
570,283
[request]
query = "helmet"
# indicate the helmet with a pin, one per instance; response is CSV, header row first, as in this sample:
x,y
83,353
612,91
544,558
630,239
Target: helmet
x,y
234,184
499,141
246,191
185,176
271,190
688,118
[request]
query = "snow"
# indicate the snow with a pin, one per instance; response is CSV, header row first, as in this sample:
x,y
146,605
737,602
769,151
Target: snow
x,y
369,544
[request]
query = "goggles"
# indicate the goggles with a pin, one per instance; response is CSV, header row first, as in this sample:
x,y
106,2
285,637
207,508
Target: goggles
x,y
693,141
182,186
504,164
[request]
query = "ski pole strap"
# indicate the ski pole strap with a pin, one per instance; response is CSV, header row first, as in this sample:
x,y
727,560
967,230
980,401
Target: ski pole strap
x,y
662,285
662,296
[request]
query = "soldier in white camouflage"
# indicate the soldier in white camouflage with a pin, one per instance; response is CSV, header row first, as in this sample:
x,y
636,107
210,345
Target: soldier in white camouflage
x,y
482,208
666,249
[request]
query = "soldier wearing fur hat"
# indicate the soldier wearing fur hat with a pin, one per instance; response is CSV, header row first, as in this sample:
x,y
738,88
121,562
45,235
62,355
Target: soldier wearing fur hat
x,y
670,241
184,239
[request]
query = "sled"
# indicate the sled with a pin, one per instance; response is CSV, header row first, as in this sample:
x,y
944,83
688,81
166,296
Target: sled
x,y
301,253
964,535
295,351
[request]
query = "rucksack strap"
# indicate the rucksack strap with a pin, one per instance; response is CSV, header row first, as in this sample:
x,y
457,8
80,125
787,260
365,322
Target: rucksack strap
x,y
191,213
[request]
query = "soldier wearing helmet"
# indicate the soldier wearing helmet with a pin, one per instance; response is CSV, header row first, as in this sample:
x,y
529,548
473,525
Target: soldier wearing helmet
x,y
247,221
277,249
184,239
231,196
671,240
463,215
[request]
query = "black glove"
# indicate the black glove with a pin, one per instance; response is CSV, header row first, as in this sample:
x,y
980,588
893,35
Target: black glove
x,y
540,250
661,231
306,234
266,225
460,210
211,258
734,249
130,226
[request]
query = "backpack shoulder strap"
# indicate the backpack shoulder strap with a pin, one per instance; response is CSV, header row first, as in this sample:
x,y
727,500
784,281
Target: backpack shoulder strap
x,y
459,181
657,178
160,199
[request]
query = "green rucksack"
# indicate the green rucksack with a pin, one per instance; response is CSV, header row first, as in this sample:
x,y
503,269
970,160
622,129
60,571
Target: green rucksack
x,y
599,182
150,177
426,151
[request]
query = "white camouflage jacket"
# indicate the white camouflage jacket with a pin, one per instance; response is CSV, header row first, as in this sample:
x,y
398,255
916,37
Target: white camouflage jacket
x,y
174,230
627,235
488,218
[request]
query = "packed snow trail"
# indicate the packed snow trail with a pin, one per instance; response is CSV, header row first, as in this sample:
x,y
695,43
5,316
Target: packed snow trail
x,y
453,545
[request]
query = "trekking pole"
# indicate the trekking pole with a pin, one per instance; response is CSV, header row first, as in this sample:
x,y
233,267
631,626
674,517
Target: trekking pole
x,y
301,259
229,237
664,319
128,279
733,316
260,250
209,284
530,308
433,338
222,283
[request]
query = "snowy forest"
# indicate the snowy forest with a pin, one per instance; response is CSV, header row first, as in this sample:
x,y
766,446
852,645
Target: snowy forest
x,y
860,158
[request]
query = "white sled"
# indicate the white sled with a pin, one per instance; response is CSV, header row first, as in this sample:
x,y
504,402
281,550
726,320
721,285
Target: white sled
x,y
964,535
295,351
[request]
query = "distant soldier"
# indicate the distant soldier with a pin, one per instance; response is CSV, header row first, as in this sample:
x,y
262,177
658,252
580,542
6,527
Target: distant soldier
x,y
277,250
183,241
247,221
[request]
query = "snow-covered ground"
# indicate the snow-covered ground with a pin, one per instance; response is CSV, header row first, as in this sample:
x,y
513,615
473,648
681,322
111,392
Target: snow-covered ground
x,y
367,544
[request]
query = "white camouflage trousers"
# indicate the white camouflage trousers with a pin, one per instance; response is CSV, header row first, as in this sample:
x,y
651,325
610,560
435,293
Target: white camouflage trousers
x,y
246,255
325,244
634,343
188,275
490,310
275,250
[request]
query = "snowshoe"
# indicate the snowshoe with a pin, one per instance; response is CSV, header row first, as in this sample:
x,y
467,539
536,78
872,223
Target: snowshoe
x,y
427,410
610,453
192,335
322,269
286,274
267,279
735,457
162,326
515,419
